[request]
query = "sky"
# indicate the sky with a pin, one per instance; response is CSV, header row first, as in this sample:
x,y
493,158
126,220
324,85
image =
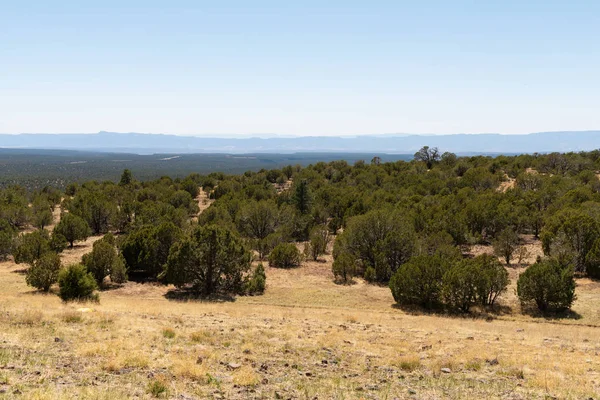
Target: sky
x,y
238,67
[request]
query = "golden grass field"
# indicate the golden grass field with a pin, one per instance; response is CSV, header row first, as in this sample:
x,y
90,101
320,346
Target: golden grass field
x,y
305,338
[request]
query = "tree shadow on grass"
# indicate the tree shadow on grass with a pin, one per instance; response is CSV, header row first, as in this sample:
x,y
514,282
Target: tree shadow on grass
x,y
487,314
552,315
185,295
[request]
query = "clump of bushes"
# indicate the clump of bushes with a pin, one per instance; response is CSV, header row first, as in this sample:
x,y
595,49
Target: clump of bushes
x,y
44,271
432,281
548,284
76,284
285,255
257,281
104,260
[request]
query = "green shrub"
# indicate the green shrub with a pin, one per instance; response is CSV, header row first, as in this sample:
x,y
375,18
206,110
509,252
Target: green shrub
x,y
370,274
72,228
29,247
344,268
211,259
592,261
44,272
104,260
319,239
118,272
494,279
76,283
285,255
257,282
460,286
6,242
419,281
547,284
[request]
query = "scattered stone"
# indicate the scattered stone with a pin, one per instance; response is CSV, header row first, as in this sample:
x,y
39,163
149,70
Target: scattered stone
x,y
470,338
493,361
309,374
359,389
264,367
199,360
324,362
412,391
520,330
234,365
446,370
57,340
265,381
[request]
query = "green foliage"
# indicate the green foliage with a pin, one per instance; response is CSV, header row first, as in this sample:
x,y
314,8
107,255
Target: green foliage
x,y
14,207
72,228
146,250
592,260
460,285
285,255
428,155
302,197
76,284
257,282
547,284
319,239
493,279
506,244
126,178
29,247
442,280
257,220
571,234
43,273
419,281
344,268
380,239
41,212
104,260
209,260
7,235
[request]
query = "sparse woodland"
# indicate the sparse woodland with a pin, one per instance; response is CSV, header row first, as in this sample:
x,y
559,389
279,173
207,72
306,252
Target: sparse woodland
x,y
409,226
406,224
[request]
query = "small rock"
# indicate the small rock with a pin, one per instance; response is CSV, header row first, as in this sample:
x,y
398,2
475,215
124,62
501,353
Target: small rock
x,y
446,370
412,391
359,389
234,365
520,330
57,340
265,381
199,360
324,362
470,338
493,361
309,374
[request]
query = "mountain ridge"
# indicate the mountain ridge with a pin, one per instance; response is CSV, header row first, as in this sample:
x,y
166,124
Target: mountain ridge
x,y
145,143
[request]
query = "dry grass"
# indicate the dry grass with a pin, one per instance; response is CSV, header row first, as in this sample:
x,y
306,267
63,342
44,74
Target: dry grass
x,y
306,337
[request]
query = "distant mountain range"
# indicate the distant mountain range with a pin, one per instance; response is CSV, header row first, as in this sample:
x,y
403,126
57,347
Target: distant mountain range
x,y
140,143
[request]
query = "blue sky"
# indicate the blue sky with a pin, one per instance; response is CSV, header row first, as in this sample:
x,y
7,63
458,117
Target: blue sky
x,y
299,68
